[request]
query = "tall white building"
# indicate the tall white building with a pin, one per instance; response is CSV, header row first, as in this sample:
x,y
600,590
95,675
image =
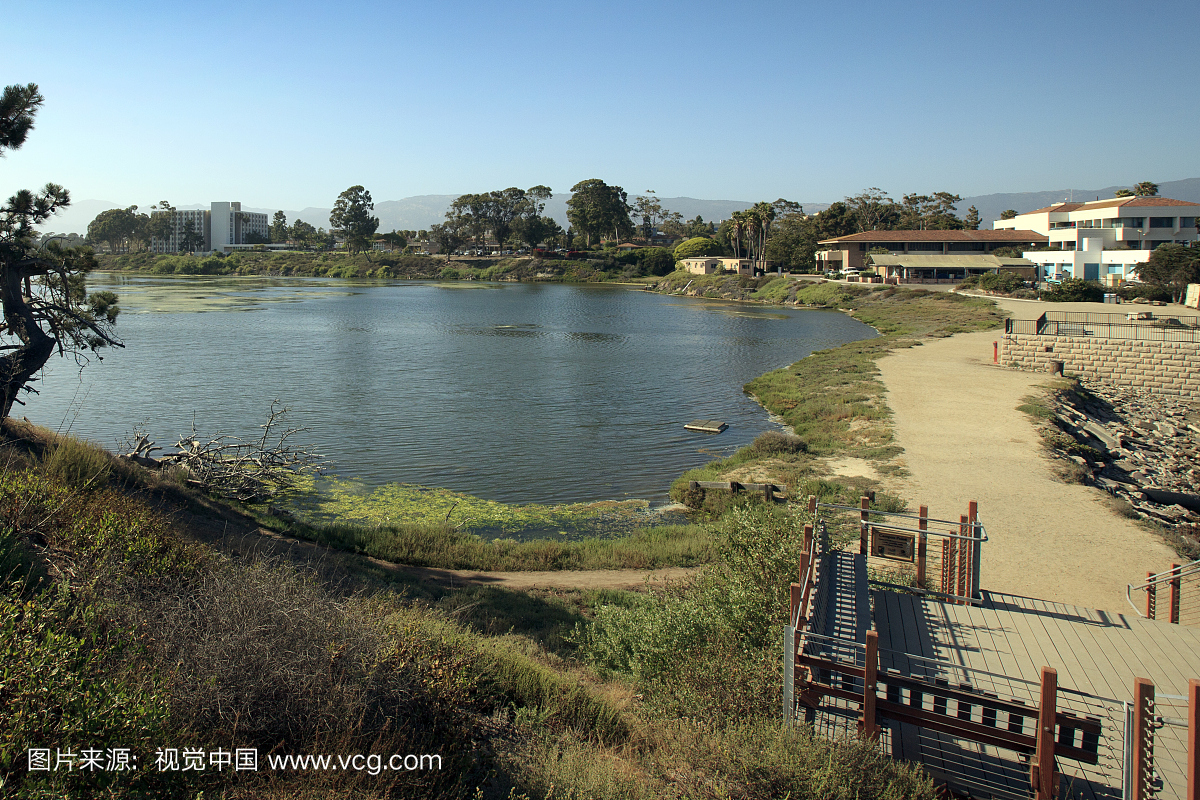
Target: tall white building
x,y
1105,238
229,225
223,227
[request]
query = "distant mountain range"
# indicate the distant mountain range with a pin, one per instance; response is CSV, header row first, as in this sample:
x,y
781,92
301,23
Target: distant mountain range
x,y
421,211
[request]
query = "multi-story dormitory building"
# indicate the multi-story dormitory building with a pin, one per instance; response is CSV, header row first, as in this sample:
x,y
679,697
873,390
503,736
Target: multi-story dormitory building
x,y
1105,239
224,227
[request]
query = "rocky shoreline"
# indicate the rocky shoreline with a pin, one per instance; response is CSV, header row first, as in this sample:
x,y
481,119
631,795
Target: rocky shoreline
x,y
1139,447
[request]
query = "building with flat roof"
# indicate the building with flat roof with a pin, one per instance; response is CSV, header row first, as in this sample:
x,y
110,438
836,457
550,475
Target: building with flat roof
x,y
1104,238
707,265
223,227
850,252
918,268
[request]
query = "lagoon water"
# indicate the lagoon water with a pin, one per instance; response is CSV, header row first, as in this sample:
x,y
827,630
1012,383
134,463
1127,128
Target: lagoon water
x,y
511,392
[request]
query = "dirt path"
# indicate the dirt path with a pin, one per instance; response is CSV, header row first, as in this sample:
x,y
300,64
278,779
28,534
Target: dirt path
x,y
562,579
238,535
963,439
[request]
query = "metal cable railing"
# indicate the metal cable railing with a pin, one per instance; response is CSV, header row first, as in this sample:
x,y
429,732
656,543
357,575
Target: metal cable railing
x,y
969,727
1170,596
936,557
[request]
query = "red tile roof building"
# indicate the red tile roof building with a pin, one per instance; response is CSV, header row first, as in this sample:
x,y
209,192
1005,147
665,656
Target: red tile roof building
x,y
849,252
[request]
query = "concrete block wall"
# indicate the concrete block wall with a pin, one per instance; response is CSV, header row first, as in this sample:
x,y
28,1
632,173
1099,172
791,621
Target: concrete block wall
x,y
1166,368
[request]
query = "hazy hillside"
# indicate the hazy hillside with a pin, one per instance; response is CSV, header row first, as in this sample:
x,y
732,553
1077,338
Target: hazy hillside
x,y
991,205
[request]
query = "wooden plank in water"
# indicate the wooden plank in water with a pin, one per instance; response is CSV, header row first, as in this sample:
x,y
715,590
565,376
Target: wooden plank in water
x,y
706,425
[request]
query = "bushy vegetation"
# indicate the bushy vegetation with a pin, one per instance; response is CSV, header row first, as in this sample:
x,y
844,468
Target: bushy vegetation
x,y
118,633
1149,291
444,546
1075,290
698,246
998,282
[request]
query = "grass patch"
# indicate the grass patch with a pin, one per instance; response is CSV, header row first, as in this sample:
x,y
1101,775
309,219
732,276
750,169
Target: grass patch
x,y
446,546
332,500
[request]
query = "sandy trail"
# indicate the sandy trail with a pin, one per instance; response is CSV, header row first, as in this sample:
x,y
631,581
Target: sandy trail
x,y
963,439
559,579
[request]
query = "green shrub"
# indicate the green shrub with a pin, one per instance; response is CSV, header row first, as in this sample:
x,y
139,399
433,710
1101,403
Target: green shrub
x,y
717,631
1075,290
1150,291
699,246
66,685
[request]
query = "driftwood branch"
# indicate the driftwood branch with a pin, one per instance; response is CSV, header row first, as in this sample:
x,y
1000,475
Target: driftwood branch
x,y
249,471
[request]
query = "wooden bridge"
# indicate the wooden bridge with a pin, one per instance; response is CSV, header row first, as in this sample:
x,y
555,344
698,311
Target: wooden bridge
x,y
995,695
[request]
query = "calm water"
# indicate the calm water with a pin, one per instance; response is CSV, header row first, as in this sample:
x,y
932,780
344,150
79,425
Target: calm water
x,y
512,392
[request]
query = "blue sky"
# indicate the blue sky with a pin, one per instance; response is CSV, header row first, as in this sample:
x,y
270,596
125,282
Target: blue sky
x,y
287,104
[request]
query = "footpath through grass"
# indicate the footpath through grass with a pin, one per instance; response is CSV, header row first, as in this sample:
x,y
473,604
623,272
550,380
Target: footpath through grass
x,y
833,399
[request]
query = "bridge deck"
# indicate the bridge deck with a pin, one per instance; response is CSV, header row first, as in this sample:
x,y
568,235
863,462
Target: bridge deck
x,y
1095,652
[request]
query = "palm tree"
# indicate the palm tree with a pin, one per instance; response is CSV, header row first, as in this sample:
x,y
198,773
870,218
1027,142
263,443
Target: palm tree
x,y
739,224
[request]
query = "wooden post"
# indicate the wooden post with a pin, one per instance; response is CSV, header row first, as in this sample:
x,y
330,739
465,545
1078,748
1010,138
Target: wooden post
x,y
947,560
1042,777
864,524
922,543
1175,594
1143,737
867,726
1150,596
795,598
1193,763
768,492
963,549
812,504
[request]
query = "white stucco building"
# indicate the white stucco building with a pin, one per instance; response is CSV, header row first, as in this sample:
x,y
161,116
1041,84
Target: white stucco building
x,y
224,227
1103,239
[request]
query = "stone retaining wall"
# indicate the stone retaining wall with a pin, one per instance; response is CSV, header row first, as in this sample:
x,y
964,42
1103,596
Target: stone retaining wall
x,y
1166,368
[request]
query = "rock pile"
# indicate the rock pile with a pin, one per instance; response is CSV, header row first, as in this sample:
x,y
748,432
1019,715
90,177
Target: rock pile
x,y
1146,447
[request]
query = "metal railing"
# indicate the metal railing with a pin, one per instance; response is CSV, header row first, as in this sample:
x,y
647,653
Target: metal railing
x,y
1170,596
1167,328
909,552
977,730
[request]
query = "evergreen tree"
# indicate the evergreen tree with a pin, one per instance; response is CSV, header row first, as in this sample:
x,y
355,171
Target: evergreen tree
x,y
42,286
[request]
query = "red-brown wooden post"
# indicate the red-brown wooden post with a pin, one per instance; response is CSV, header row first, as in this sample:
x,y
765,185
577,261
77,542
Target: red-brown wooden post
x,y
1143,737
1175,594
864,524
947,561
922,543
812,504
1042,777
867,726
1151,592
964,548
1193,764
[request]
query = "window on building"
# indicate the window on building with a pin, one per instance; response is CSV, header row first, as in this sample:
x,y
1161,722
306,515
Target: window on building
x,y
1162,222
963,246
1187,222
924,247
